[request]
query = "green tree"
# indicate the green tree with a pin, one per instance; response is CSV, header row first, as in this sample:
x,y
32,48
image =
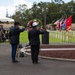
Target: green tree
x,y
20,14
47,12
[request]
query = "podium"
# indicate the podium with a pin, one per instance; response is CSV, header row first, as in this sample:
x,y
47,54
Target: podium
x,y
45,38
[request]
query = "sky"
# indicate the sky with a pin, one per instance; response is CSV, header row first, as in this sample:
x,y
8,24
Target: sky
x,y
9,5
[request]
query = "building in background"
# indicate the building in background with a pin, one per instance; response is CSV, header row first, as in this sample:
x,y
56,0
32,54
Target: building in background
x,y
5,24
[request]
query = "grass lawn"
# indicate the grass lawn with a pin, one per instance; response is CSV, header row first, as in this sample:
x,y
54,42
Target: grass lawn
x,y
24,37
52,39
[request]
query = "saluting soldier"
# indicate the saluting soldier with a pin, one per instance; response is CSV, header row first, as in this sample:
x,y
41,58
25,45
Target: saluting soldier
x,y
34,41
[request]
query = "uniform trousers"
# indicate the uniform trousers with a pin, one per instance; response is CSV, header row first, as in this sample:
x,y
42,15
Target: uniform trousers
x,y
35,52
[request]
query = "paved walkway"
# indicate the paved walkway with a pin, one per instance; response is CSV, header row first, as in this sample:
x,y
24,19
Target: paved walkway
x,y
25,66
49,49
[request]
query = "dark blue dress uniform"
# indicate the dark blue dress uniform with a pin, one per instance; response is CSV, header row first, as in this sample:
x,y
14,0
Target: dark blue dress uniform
x,y
34,41
14,39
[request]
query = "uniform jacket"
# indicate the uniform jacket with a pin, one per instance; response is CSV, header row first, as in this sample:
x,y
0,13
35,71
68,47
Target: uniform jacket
x,y
14,34
33,36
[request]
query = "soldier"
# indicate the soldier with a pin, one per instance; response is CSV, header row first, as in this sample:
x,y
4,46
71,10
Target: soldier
x,y
34,41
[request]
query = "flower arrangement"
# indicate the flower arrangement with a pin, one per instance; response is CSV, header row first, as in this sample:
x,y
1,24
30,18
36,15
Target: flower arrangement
x,y
34,20
29,25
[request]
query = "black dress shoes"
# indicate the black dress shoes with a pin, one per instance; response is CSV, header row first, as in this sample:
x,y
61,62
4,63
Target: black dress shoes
x,y
36,62
15,61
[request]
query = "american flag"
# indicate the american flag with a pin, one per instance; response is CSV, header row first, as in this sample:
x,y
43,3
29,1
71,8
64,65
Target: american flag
x,y
64,24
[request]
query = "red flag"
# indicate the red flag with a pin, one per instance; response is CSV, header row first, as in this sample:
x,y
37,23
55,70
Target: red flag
x,y
68,23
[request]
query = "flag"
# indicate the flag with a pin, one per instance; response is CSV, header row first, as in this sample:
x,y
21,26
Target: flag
x,y
58,23
64,25
68,23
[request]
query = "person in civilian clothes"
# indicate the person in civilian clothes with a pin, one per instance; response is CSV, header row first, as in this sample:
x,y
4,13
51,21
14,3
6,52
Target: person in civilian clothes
x,y
14,39
34,41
